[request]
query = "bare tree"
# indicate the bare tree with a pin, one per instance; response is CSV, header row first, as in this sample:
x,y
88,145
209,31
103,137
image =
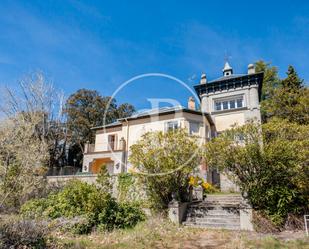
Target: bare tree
x,y
30,135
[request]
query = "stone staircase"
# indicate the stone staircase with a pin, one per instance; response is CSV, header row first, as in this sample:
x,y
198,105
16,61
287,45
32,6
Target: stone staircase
x,y
216,211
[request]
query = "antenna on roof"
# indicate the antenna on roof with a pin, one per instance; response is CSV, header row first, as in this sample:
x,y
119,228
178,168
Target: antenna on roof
x,y
227,56
227,70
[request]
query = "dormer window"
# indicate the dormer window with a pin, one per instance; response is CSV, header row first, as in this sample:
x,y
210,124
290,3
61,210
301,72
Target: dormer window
x,y
228,104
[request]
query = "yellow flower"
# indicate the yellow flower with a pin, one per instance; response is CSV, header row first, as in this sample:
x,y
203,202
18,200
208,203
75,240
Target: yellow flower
x,y
193,181
206,185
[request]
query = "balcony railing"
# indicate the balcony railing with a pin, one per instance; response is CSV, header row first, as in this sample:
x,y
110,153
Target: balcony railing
x,y
90,148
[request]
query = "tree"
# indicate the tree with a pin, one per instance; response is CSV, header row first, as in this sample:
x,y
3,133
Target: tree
x,y
37,97
22,159
163,163
289,100
269,164
270,83
29,137
292,82
86,109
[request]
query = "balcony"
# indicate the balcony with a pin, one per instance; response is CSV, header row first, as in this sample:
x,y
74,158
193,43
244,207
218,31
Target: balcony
x,y
112,147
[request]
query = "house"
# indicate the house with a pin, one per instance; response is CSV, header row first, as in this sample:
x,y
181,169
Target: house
x,y
228,100
113,141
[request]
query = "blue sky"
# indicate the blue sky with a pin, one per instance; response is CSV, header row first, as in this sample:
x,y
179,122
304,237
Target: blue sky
x,y
100,44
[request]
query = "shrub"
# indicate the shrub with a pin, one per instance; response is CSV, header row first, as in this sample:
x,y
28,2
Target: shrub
x,y
20,233
124,215
163,163
270,165
84,225
90,203
104,179
35,208
76,199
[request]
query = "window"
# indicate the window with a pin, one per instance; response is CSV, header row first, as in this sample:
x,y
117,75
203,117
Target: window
x,y
172,125
231,103
218,106
111,142
194,128
239,103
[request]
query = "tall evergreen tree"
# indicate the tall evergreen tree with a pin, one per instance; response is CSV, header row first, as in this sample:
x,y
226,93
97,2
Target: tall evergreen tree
x,y
270,82
288,100
292,82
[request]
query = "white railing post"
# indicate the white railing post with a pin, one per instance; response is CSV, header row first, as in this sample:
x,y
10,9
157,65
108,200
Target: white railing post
x,y
306,219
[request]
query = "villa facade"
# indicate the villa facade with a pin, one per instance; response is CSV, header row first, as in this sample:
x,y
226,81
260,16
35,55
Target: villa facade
x,y
226,101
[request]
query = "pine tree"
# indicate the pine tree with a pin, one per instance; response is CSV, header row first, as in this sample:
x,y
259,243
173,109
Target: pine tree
x,y
288,100
292,82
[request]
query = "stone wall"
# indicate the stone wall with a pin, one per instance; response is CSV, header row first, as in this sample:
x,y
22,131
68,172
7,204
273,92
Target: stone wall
x,y
62,179
134,192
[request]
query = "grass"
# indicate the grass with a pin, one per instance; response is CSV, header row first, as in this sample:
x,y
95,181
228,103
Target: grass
x,y
273,243
159,233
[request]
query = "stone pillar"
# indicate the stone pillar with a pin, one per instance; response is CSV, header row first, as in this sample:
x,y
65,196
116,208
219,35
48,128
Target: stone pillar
x,y
177,211
245,212
205,104
254,113
254,97
86,147
198,193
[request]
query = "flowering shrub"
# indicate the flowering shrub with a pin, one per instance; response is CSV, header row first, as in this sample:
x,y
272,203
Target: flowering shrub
x,y
208,188
196,181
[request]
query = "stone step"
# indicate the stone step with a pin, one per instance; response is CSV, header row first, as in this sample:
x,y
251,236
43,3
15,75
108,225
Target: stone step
x,y
218,210
212,225
224,198
222,203
214,216
230,220
215,205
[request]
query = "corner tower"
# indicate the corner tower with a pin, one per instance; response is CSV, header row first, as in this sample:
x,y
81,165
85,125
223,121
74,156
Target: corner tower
x,y
232,98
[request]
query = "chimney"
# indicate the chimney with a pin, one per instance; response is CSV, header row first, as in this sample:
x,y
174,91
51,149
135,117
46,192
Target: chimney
x,y
251,69
203,79
191,103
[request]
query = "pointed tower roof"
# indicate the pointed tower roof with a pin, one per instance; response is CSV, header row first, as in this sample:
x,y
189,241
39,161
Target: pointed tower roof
x,y
227,66
227,70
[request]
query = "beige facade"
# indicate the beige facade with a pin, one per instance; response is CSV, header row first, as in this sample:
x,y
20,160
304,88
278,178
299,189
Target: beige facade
x,y
224,119
225,102
113,142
